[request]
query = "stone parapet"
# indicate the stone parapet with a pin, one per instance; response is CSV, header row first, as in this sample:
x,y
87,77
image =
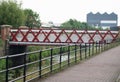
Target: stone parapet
x,y
5,31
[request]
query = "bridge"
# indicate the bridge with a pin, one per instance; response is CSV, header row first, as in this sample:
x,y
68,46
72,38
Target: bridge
x,y
59,36
73,46
104,67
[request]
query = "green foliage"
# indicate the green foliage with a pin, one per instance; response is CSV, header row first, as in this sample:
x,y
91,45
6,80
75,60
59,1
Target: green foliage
x,y
11,13
2,77
32,19
2,64
46,53
33,57
64,49
56,51
74,24
2,67
33,48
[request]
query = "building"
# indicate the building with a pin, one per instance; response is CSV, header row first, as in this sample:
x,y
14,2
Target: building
x,y
102,20
50,25
116,28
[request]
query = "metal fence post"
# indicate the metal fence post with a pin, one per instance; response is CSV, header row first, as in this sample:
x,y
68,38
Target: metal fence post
x,y
93,48
80,52
7,68
75,53
85,51
68,55
40,63
96,47
89,49
51,63
24,73
99,47
60,56
104,44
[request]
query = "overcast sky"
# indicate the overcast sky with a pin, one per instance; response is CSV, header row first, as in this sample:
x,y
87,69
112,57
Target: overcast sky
x,y
60,11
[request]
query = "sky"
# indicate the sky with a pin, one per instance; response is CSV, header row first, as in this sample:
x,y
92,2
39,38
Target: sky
x,y
59,11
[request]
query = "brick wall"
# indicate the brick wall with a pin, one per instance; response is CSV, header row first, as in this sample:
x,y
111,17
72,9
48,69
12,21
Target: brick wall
x,y
5,31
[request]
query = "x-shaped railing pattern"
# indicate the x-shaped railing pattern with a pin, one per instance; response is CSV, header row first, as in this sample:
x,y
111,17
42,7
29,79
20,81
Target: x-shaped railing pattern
x,y
60,35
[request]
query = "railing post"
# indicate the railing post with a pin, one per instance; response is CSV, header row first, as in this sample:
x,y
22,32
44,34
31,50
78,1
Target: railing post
x,y
75,53
7,68
40,63
80,52
24,73
85,51
60,56
99,47
89,49
104,45
51,63
93,48
96,47
68,55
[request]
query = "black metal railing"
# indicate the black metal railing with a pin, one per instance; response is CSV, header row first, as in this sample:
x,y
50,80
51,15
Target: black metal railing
x,y
39,63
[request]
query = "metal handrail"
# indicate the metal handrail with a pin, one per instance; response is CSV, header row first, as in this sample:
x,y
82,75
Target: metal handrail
x,y
88,49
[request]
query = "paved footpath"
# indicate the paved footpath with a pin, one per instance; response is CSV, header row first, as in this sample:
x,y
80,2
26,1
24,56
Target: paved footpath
x,y
104,67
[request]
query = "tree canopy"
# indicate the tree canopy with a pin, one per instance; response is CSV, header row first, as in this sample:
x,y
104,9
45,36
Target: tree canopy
x,y
32,18
11,13
74,24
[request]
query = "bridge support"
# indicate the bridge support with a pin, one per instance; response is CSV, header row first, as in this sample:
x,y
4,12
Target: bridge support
x,y
17,49
5,29
12,49
4,32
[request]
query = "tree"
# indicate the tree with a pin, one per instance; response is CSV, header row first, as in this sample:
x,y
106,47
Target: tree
x,y
11,13
74,24
70,24
32,18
